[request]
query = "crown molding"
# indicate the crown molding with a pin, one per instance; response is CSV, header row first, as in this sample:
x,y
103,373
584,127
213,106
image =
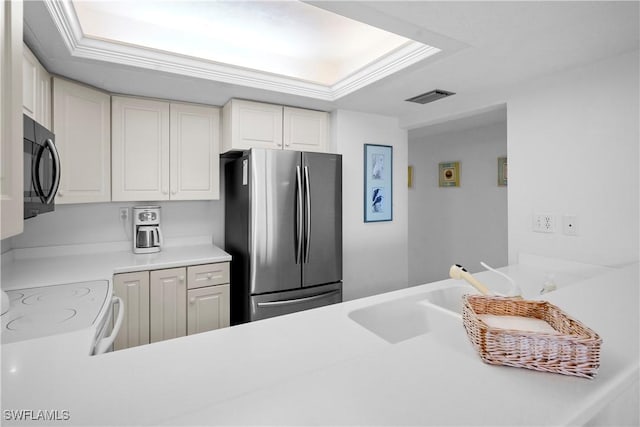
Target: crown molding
x,y
397,60
67,24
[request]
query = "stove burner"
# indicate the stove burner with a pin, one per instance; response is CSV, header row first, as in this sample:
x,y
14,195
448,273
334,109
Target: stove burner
x,y
49,310
56,295
47,318
15,296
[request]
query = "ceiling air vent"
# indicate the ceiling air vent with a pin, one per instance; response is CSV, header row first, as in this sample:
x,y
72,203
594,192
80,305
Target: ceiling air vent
x,y
431,96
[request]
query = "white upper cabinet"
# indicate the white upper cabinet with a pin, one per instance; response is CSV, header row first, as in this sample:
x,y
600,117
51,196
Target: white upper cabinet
x,y
248,124
29,82
11,145
195,150
36,89
305,130
82,125
164,151
140,149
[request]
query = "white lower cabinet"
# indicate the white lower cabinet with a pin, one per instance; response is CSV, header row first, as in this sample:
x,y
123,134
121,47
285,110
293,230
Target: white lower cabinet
x,y
170,303
133,288
167,304
208,297
207,309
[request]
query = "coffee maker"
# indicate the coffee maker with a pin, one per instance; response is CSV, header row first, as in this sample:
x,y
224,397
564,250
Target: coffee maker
x,y
147,237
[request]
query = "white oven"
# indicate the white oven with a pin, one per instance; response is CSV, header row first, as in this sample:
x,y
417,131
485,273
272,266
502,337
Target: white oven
x,y
57,309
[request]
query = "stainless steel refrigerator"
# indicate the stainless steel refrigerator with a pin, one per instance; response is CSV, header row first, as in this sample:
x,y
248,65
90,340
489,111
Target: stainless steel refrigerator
x,y
283,228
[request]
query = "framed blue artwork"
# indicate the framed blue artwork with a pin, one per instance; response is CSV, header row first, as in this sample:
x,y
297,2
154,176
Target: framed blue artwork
x,y
378,189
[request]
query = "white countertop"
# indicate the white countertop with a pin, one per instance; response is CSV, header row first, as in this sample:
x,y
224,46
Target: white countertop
x,y
320,367
32,268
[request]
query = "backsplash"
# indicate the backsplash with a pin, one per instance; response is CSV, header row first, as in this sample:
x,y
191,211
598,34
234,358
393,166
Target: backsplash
x,y
101,223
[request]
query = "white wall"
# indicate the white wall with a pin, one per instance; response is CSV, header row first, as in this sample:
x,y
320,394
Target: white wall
x,y
100,223
375,254
463,225
573,141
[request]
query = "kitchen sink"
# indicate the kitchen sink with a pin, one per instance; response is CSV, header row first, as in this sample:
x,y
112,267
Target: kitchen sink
x,y
438,312
394,321
450,298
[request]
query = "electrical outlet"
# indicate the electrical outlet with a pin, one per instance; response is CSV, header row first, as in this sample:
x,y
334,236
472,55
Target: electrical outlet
x,y
570,225
544,223
124,214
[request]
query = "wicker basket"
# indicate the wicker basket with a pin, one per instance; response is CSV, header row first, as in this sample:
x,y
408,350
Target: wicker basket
x,y
575,350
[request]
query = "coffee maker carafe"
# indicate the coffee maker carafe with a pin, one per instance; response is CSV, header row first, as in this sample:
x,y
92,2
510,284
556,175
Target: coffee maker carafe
x,y
147,237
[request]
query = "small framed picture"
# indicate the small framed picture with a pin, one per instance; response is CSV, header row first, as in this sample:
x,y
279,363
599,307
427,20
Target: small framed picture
x,y
502,171
410,176
378,184
449,174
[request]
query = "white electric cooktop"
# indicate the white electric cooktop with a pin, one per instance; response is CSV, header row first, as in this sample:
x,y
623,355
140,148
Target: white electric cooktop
x,y
51,310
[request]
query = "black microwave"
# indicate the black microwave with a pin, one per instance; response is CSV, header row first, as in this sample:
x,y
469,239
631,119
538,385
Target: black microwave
x,y
41,169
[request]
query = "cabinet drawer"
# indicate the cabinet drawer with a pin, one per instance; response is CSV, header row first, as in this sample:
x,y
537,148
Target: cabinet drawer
x,y
199,276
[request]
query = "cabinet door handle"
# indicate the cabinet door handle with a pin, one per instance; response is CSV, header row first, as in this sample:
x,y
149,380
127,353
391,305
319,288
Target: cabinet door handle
x,y
181,279
192,300
209,275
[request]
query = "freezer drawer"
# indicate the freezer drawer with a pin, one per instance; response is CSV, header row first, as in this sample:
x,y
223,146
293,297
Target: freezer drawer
x,y
279,303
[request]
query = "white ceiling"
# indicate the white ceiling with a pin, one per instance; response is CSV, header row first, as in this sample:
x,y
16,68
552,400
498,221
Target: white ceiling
x,y
486,46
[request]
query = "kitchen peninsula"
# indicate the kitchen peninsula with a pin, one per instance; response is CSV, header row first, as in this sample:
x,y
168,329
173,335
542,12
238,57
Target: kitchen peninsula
x,y
321,367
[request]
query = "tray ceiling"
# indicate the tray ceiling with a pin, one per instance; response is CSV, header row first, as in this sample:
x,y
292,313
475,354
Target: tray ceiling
x,y
288,46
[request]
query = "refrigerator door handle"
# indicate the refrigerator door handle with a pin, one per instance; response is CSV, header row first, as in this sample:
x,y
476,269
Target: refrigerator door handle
x,y
297,300
253,226
307,192
299,215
